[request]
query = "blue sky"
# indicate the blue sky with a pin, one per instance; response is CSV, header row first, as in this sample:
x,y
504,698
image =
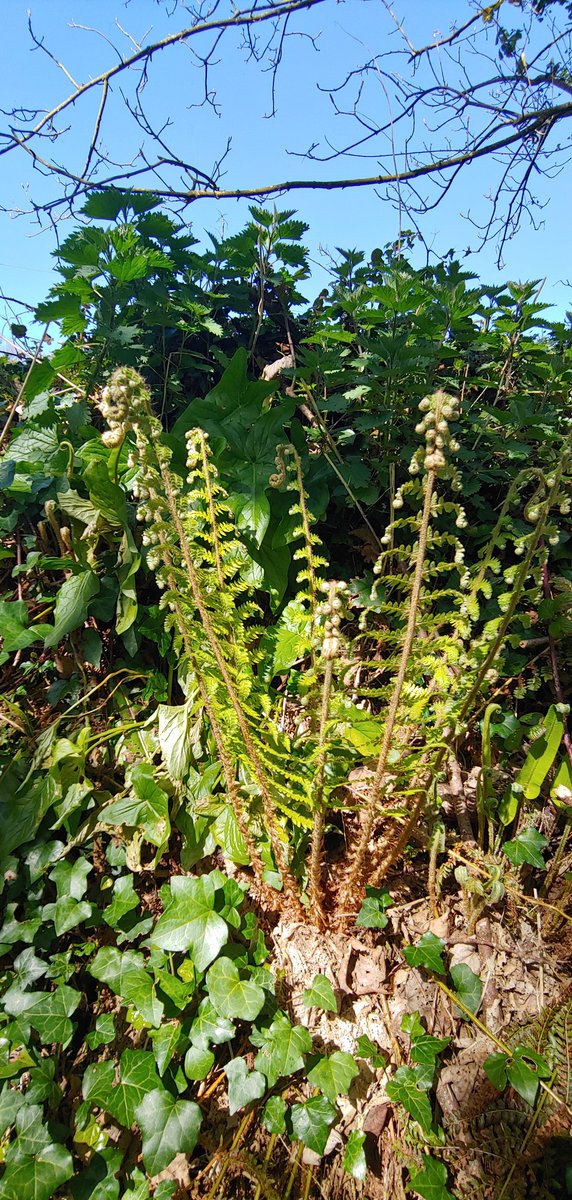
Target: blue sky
x,y
347,33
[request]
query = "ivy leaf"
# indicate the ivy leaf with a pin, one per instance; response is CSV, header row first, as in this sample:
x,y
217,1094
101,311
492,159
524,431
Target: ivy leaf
x,y
209,1026
137,1077
427,953
404,1089
71,878
430,1181
283,1050
199,1060
71,605
168,1127
126,974
495,1069
66,913
47,1012
274,1115
367,1049
333,1074
231,995
244,1086
97,1180
467,985
189,921
311,1122
526,847
354,1161
103,1033
372,912
320,994
226,833
37,1177
125,899
165,1043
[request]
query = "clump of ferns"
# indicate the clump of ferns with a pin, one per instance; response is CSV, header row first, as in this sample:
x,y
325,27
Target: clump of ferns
x,y
193,549
422,639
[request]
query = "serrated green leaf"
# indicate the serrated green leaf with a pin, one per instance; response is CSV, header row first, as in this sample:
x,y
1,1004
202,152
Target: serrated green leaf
x,y
189,921
232,996
354,1161
283,1049
334,1073
168,1127
244,1086
320,994
426,953
312,1121
127,975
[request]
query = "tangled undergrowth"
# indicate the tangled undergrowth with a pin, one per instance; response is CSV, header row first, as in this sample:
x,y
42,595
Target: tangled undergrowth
x,y
286,783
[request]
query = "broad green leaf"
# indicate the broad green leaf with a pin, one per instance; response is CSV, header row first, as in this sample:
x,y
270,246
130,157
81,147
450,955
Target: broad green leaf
x,y
542,753
283,1049
66,913
49,1013
165,1041
372,912
425,1049
227,834
244,1086
274,1115
354,1161
527,847
404,1089
232,996
145,807
98,1083
71,878
430,1182
168,1127
103,1033
137,1077
209,1026
14,629
37,1177
467,985
427,953
125,899
495,1068
312,1121
71,605
189,921
320,994
333,1074
127,975
175,726
524,1072
199,1060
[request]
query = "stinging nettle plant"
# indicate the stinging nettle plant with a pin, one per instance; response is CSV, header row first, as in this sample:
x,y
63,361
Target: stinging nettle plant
x,y
437,653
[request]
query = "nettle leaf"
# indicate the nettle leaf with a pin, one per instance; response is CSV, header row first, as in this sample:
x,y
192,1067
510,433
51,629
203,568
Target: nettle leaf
x,y
430,1181
526,847
175,726
354,1160
126,974
372,913
71,605
427,953
168,1127
244,1086
231,995
333,1074
37,1177
283,1049
467,985
404,1089
320,994
312,1121
189,921
274,1115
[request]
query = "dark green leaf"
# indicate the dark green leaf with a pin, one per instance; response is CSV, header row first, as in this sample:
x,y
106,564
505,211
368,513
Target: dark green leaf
x,y
244,1086
467,985
232,996
333,1074
189,921
354,1161
320,994
168,1127
311,1122
427,953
